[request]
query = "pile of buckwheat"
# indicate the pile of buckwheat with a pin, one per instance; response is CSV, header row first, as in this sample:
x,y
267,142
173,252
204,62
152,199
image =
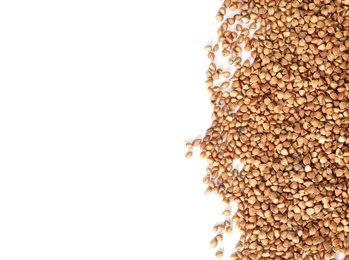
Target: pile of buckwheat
x,y
285,116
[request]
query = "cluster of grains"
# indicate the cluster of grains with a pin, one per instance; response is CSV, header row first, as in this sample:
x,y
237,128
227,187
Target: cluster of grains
x,y
285,116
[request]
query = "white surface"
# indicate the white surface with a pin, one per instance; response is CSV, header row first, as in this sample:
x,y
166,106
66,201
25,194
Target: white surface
x,y
96,100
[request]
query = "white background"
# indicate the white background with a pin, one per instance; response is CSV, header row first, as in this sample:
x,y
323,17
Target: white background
x,y
96,101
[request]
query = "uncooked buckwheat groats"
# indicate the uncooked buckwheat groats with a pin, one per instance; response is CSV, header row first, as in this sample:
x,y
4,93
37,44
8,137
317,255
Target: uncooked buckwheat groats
x,y
285,115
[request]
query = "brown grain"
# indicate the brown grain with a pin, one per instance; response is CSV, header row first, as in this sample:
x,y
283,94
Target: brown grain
x,y
290,131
